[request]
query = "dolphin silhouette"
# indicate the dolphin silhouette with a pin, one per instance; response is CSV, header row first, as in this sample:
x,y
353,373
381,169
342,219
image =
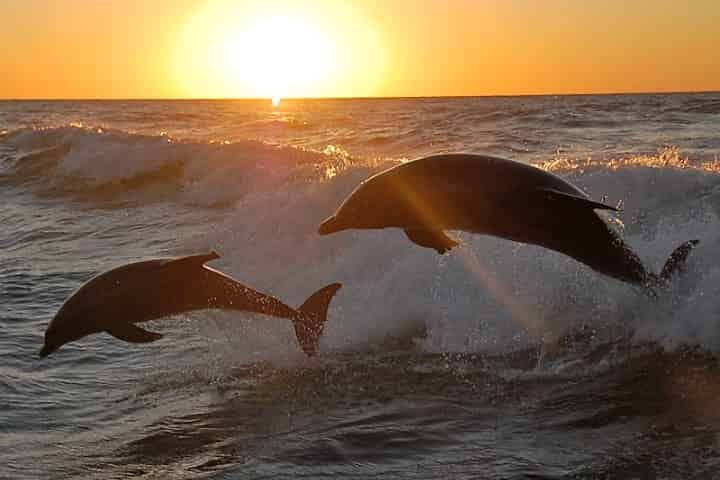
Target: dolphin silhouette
x,y
116,300
498,197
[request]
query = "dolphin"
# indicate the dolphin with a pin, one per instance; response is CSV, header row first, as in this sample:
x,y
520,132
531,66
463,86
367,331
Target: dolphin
x,y
116,300
498,197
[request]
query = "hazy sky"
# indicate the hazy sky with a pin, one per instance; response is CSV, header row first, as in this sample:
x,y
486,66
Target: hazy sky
x,y
236,48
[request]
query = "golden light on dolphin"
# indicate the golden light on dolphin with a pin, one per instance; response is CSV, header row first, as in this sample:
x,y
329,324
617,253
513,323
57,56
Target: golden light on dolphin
x,y
431,212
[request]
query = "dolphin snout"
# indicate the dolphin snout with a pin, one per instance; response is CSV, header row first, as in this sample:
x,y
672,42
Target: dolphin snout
x,y
331,225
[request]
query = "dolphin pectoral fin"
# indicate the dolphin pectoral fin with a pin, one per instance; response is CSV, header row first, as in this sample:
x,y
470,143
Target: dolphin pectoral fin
x,y
576,200
133,334
435,239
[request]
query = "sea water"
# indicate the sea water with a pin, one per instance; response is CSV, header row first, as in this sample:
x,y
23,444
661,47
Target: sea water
x,y
499,360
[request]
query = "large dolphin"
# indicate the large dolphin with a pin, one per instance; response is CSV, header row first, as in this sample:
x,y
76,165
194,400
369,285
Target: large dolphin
x,y
499,197
116,300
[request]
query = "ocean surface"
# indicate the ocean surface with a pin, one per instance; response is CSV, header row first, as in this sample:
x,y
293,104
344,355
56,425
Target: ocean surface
x,y
499,360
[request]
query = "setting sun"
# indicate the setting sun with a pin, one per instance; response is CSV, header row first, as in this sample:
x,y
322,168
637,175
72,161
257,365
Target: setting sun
x,y
353,48
278,56
275,50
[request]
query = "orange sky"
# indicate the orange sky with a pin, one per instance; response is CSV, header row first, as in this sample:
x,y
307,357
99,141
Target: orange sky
x,y
236,48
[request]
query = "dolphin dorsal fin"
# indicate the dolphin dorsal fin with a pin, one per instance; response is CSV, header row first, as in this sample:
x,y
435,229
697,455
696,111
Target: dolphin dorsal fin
x,y
197,260
580,201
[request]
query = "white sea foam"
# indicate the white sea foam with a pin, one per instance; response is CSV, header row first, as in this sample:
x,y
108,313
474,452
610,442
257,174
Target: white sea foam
x,y
490,295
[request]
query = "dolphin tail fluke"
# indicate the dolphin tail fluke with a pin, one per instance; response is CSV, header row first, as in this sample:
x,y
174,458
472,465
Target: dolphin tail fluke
x,y
676,262
309,325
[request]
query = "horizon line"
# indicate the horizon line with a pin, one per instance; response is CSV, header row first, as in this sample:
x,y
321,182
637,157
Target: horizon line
x,y
380,97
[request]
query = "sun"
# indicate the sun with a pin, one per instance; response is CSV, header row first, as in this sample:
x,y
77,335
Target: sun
x,y
278,56
276,49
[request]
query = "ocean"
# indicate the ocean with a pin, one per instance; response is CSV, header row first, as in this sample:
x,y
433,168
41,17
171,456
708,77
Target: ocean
x,y
499,360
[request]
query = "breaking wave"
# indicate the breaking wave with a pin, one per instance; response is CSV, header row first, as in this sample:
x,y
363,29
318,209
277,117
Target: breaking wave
x,y
99,162
490,295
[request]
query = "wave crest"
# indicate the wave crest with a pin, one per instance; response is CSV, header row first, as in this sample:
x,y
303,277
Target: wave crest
x,y
99,162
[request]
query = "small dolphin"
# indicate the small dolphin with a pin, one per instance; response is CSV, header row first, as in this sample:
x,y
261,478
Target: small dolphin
x,y
116,300
498,197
